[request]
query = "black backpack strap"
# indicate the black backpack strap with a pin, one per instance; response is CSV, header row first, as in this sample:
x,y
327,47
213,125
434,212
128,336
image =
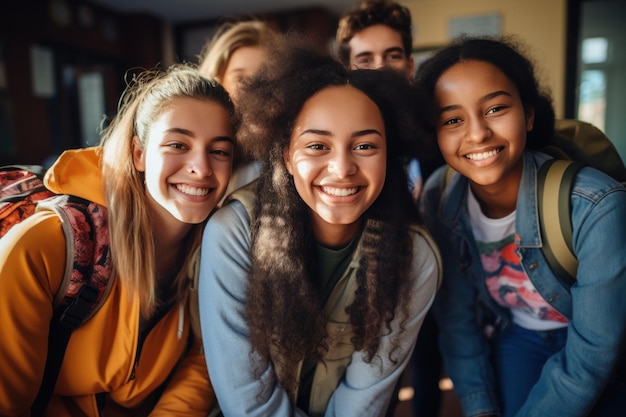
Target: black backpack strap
x,y
64,321
554,187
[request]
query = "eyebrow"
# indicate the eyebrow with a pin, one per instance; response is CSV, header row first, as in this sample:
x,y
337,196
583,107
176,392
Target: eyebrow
x,y
356,134
189,133
487,97
223,139
386,51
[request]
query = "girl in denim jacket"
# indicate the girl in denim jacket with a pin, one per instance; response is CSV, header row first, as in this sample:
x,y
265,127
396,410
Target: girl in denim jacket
x,y
556,349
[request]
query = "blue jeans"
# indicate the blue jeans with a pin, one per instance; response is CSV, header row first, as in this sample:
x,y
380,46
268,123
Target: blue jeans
x,y
519,358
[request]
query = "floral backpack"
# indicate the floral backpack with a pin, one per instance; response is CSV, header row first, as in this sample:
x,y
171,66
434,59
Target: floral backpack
x,y
88,267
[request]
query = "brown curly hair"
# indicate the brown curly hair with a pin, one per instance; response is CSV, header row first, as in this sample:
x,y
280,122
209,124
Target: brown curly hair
x,y
369,13
284,308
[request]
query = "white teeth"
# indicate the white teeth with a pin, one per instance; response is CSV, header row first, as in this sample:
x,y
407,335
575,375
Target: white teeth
x,y
192,190
340,192
482,155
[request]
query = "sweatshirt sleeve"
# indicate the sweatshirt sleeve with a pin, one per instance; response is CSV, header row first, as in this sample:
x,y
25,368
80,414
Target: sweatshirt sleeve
x,y
222,291
32,263
366,387
191,382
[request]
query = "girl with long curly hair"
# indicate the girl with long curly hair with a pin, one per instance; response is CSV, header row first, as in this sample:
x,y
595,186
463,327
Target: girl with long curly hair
x,y
315,279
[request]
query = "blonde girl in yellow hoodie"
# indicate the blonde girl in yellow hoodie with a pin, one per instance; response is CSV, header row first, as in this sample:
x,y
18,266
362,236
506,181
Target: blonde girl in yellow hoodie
x,y
164,164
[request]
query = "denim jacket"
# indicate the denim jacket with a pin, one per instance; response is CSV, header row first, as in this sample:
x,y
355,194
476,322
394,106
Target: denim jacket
x,y
573,378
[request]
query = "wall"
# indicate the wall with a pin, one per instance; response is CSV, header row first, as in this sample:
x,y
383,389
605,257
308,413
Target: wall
x,y
540,23
80,38
316,22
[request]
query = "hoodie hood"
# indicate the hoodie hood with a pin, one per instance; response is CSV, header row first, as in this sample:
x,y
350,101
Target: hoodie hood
x,y
77,172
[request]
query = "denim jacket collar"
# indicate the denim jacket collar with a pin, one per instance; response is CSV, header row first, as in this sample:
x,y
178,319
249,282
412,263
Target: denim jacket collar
x,y
527,218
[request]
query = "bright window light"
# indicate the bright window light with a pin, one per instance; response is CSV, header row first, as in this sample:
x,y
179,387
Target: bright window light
x,y
595,50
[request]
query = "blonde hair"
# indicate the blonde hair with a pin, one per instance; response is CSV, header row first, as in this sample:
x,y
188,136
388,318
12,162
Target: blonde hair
x,y
132,243
231,36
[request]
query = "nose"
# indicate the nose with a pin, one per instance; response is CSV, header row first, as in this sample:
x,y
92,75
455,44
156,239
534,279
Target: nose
x,y
478,130
342,164
199,164
378,62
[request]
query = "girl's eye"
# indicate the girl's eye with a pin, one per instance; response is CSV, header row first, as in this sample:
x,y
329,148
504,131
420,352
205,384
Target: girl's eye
x,y
451,121
316,146
495,109
176,145
364,146
220,152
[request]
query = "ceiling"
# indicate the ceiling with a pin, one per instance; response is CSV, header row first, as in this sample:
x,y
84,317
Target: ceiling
x,y
178,11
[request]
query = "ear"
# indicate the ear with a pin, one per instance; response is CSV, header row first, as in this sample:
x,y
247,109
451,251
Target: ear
x,y
138,155
530,119
287,160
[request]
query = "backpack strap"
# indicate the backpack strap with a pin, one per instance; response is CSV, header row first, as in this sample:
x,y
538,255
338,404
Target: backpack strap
x,y
329,372
85,285
63,322
331,369
554,187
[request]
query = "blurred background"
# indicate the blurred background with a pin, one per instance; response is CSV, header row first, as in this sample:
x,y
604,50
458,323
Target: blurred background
x,y
63,62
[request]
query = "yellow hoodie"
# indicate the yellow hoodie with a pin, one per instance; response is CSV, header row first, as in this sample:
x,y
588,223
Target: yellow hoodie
x,y
102,355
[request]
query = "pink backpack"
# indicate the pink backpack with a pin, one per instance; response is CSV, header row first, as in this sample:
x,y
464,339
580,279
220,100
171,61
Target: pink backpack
x,y
86,283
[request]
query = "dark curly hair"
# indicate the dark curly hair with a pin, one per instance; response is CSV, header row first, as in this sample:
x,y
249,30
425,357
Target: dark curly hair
x,y
506,53
283,309
369,13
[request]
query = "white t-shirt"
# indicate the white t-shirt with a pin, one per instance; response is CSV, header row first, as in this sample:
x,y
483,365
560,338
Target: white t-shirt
x,y
506,280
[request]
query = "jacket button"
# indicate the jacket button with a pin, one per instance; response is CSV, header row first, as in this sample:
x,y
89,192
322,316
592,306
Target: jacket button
x,y
554,298
533,265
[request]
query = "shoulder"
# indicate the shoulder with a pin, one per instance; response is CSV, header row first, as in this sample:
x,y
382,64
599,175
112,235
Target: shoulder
x,y
426,254
232,215
434,181
35,247
589,182
595,184
246,196
228,229
42,229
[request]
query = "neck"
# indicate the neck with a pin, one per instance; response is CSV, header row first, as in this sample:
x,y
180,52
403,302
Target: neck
x,y
500,199
335,236
169,247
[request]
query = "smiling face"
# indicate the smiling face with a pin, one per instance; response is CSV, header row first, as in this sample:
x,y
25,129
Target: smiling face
x,y
242,63
187,160
379,46
338,159
482,124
